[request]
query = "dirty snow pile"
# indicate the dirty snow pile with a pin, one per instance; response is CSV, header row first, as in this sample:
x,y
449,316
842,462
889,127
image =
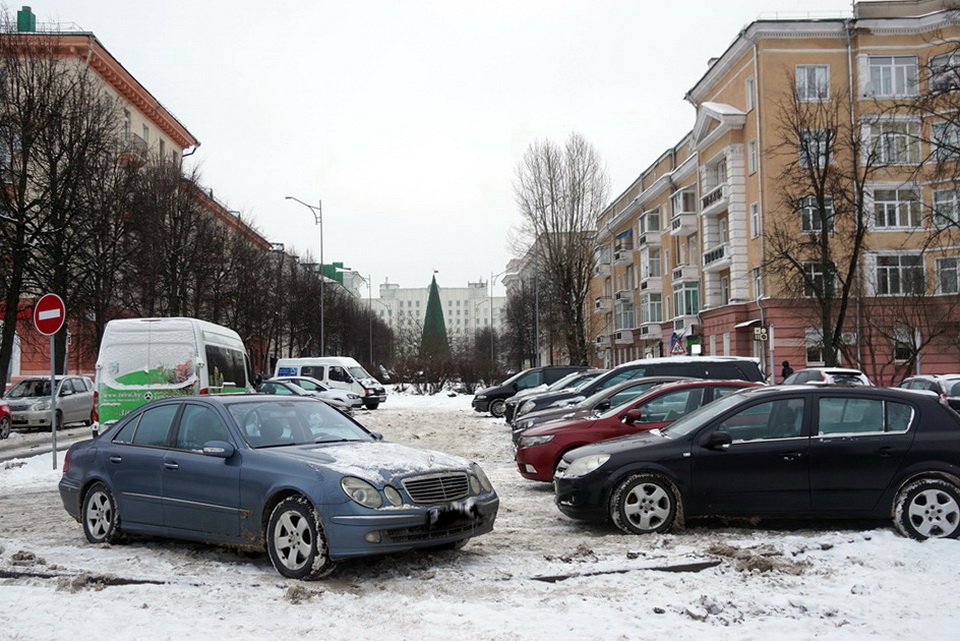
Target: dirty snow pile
x,y
539,575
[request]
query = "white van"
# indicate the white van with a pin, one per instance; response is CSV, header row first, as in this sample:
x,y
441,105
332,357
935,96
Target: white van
x,y
339,372
146,358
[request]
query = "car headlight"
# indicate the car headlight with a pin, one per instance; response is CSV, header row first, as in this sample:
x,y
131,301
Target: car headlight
x,y
392,495
361,492
525,407
353,397
586,464
42,406
481,397
530,441
484,481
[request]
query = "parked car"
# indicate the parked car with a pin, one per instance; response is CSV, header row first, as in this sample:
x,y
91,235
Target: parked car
x,y
4,419
570,381
946,386
541,448
828,375
30,401
493,399
784,451
719,367
286,474
310,384
286,388
591,406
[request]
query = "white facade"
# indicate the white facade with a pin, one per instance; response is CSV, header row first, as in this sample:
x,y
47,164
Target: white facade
x,y
466,310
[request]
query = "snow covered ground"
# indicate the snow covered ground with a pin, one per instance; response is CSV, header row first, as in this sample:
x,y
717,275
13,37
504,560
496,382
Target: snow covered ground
x,y
822,579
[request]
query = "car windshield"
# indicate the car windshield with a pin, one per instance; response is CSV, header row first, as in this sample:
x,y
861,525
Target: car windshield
x,y
566,381
953,388
689,423
624,405
358,372
30,388
275,422
847,379
625,395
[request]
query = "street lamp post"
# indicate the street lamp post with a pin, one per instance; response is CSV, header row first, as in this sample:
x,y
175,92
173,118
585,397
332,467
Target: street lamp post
x,y
318,219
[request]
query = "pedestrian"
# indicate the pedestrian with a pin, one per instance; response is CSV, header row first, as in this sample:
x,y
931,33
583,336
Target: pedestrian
x,y
786,371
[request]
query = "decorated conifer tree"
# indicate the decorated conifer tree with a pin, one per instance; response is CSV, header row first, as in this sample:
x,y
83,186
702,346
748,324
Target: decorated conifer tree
x,y
433,342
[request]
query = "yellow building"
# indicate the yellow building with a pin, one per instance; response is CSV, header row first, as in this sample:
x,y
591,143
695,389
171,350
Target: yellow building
x,y
814,145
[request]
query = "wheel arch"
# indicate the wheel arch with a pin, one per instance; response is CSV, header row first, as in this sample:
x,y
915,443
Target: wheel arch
x,y
951,476
273,501
652,470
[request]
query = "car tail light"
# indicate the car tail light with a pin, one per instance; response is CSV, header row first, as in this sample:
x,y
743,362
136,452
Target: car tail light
x,y
204,390
95,412
66,462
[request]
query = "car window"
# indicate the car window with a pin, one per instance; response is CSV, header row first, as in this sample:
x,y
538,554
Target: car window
x,y
307,385
770,420
722,391
276,423
670,406
531,379
199,425
276,388
850,415
625,375
151,429
953,389
629,393
315,371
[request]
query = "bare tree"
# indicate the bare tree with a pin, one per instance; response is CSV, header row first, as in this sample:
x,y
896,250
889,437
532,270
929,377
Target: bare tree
x,y
560,192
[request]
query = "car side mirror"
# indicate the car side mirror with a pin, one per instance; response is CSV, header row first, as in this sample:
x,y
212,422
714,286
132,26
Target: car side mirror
x,y
719,440
377,436
66,392
603,406
218,449
632,416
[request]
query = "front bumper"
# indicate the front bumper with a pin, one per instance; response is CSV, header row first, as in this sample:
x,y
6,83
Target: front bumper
x,y
356,535
30,418
481,405
581,498
535,463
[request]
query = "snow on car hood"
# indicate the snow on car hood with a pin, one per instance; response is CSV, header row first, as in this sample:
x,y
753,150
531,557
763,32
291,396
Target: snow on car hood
x,y
373,461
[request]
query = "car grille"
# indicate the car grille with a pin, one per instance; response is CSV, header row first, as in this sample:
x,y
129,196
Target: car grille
x,y
437,488
19,407
410,535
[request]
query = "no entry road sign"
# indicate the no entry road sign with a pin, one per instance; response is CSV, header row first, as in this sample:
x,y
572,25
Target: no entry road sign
x,y
49,314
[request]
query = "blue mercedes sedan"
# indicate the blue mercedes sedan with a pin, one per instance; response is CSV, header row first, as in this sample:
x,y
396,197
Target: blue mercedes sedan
x,y
289,475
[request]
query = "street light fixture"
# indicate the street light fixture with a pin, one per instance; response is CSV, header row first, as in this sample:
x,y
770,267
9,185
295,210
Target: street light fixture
x,y
318,219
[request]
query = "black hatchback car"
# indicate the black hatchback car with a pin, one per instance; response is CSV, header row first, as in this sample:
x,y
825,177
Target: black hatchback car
x,y
794,451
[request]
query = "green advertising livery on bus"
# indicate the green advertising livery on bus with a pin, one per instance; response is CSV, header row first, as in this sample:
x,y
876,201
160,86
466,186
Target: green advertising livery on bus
x,y
142,359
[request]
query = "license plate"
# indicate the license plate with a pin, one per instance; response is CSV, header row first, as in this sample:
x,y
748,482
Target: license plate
x,y
453,513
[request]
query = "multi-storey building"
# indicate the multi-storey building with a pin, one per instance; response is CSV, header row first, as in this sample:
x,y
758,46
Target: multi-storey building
x,y
694,256
466,310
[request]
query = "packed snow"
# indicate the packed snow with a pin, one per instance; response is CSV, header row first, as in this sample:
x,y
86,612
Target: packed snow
x,y
539,575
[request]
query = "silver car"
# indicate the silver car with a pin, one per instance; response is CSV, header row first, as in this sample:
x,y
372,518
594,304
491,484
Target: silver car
x,y
30,401
310,384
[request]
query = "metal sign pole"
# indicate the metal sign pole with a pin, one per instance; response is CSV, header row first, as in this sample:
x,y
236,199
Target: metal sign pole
x,y
53,399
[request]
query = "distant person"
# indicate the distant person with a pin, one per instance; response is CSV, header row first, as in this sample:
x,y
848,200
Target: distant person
x,y
786,371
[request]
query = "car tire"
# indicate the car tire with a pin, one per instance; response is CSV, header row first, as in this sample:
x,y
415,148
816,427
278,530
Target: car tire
x,y
58,422
644,504
295,541
498,408
4,427
371,405
928,509
100,515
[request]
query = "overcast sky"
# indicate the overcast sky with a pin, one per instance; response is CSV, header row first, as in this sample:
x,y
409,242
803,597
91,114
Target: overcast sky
x,y
407,118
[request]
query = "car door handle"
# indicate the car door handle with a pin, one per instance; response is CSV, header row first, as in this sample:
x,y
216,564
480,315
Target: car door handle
x,y
116,458
170,465
793,456
886,450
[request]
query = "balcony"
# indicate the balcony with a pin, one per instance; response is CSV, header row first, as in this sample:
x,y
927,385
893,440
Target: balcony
x,y
651,285
648,238
684,224
603,341
601,270
623,257
624,337
649,331
604,304
623,294
686,273
134,149
717,258
715,200
685,325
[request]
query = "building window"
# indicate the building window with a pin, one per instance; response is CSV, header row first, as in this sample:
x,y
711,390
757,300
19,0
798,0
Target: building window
x,y
686,299
896,209
651,308
757,284
895,142
946,207
945,72
814,345
892,76
948,275
813,83
749,90
815,147
683,201
754,220
814,280
624,317
649,222
904,345
723,227
146,134
724,290
946,141
810,218
752,157
899,274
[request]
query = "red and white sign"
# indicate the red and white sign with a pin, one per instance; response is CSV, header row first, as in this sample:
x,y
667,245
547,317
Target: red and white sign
x,y
49,314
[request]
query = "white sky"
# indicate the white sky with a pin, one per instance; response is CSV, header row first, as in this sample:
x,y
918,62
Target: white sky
x,y
408,118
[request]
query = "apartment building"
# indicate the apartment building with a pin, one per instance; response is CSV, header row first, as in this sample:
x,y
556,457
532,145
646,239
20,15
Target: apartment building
x,y
714,247
466,310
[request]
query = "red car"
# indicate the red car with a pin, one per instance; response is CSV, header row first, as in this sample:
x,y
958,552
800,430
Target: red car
x,y
5,419
540,448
